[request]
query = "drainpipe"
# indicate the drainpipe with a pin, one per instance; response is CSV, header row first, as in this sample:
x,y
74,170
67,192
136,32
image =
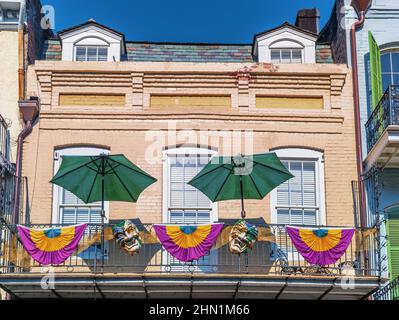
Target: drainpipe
x,y
21,51
21,96
29,110
361,7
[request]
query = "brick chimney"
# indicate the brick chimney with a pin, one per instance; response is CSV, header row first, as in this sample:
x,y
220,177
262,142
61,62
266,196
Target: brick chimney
x,y
308,19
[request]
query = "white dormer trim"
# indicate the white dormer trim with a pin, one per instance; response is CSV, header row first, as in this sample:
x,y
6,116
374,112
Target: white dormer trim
x,y
91,40
91,35
285,37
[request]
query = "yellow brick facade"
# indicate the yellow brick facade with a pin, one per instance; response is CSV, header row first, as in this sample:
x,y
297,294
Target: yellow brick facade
x,y
92,99
9,84
130,129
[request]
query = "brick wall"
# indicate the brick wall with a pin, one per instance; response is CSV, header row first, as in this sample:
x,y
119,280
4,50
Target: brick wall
x,y
131,129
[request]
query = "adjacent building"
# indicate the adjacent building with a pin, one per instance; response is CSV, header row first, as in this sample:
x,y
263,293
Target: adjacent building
x,y
378,69
169,108
21,38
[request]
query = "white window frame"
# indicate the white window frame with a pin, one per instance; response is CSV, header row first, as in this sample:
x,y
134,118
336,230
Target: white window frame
x,y
286,49
76,46
57,191
166,155
191,151
302,154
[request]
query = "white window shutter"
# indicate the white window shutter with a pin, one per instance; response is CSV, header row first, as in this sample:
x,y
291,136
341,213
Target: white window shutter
x,y
68,216
297,197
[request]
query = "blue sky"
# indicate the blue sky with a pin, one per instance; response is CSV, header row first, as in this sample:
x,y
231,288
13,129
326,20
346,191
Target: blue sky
x,y
210,21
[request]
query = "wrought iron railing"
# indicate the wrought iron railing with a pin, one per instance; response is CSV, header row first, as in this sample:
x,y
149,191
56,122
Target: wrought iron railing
x,y
386,113
275,254
4,140
9,184
388,292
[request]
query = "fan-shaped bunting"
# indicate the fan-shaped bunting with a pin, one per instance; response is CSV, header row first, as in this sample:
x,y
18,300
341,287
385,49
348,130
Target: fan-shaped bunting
x,y
188,242
51,246
321,246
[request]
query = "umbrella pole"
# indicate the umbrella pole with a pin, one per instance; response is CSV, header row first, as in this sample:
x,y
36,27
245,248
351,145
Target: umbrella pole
x,y
102,215
242,198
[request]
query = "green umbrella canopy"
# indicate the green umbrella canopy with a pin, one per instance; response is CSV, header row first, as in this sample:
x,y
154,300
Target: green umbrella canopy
x,y
84,176
241,177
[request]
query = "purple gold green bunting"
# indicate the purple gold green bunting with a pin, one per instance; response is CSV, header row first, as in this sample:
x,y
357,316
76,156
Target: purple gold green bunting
x,y
51,246
321,246
188,242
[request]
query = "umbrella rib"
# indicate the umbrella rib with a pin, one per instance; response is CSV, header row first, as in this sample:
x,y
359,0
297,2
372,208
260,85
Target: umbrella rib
x,y
92,187
120,180
269,167
256,187
223,184
210,171
77,168
112,168
133,169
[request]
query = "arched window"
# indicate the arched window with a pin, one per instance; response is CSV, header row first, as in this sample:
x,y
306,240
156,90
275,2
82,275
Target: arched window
x,y
67,208
286,51
300,200
390,68
183,203
91,49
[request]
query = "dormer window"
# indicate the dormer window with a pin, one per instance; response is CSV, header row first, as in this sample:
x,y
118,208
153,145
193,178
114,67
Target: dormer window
x,y
91,53
285,44
286,55
92,41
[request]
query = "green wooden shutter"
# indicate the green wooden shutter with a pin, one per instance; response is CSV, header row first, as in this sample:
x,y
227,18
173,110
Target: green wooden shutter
x,y
375,71
392,227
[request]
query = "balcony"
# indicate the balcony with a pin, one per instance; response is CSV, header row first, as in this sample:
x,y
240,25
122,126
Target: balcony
x,y
272,270
382,131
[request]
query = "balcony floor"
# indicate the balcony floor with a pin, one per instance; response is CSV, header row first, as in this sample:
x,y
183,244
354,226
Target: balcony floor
x,y
385,153
184,286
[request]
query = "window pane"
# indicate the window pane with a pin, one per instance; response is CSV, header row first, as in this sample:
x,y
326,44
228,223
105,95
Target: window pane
x,y
70,198
296,183
310,217
309,184
190,217
283,216
68,216
91,54
285,56
396,78
102,54
283,197
386,63
296,217
275,56
80,53
203,217
82,215
299,194
183,196
296,56
386,81
176,217
395,62
95,215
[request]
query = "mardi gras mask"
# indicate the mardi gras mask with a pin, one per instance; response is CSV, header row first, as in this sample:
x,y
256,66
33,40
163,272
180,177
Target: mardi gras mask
x,y
243,235
128,237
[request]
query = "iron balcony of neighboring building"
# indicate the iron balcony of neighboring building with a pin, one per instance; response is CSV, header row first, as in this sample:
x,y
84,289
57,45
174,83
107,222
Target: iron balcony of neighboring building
x,y
382,130
273,269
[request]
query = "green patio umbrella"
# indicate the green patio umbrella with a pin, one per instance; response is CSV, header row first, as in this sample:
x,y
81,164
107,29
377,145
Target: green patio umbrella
x,y
102,178
241,177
